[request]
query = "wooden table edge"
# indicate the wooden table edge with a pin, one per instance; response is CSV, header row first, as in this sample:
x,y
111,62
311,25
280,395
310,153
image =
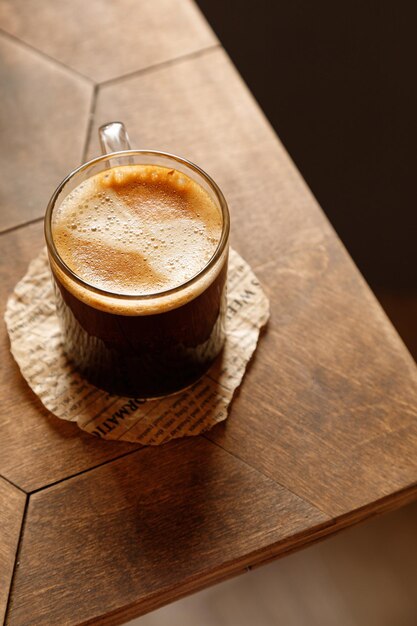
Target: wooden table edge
x,y
255,559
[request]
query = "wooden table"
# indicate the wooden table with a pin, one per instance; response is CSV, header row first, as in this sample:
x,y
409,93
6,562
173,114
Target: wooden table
x,y
323,432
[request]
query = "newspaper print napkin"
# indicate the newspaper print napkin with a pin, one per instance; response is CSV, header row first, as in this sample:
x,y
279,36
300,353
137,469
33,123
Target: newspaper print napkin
x,y
36,344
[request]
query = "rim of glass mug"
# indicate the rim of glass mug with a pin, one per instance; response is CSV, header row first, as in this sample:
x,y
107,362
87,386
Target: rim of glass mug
x,y
93,167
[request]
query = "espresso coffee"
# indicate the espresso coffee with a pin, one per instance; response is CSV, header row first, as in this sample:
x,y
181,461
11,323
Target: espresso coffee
x,y
142,308
137,229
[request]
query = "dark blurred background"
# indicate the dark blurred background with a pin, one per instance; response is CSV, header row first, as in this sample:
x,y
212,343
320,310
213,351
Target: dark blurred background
x,y
338,83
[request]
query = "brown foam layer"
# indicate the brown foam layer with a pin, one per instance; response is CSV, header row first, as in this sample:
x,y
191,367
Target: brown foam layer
x,y
137,230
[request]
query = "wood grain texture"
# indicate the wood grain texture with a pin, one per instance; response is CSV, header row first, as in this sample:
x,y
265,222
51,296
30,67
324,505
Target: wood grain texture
x,y
43,116
329,405
146,529
321,434
362,577
12,505
36,447
401,308
104,40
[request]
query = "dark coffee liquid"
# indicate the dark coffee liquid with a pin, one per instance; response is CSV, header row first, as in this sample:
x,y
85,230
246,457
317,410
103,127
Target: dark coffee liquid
x,y
145,355
138,231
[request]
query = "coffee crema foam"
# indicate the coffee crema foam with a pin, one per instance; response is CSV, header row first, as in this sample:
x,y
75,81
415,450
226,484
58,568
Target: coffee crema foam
x,y
136,230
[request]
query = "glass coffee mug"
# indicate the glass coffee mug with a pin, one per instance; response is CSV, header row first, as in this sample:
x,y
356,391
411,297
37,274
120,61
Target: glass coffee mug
x,y
137,344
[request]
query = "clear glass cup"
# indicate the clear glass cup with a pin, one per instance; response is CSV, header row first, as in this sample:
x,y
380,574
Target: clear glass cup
x,y
141,345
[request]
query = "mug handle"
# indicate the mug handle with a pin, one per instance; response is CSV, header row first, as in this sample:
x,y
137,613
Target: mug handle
x,y
113,137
